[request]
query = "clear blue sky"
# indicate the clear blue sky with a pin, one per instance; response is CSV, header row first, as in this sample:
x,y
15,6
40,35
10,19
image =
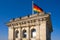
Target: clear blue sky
x,y
16,8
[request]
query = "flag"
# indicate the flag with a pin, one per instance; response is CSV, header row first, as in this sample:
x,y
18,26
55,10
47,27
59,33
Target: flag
x,y
37,8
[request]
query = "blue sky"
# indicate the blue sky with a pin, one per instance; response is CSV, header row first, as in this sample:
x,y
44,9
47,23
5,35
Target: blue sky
x,y
17,8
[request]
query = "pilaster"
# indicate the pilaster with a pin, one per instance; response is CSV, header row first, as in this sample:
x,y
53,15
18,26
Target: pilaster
x,y
37,31
42,30
11,33
28,33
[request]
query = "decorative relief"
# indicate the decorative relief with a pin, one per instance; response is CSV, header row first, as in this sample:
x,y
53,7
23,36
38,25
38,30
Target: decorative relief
x,y
41,19
44,18
30,22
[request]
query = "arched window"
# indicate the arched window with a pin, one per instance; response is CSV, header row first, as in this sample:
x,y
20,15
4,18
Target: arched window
x,y
33,33
24,34
16,33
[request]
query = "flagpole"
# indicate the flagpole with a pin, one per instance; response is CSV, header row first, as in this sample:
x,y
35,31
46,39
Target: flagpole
x,y
32,8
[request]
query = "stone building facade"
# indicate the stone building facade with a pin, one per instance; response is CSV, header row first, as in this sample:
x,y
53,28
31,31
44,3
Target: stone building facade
x,y
33,27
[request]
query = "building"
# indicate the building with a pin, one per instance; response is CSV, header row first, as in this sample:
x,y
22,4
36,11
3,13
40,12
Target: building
x,y
32,27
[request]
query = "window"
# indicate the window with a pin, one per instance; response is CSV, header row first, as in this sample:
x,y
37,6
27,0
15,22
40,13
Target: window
x,y
16,33
24,34
33,33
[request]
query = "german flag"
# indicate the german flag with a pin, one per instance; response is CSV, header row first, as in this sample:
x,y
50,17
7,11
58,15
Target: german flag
x,y
37,8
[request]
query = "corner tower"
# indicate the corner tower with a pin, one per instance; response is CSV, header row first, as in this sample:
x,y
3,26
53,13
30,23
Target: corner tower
x,y
34,27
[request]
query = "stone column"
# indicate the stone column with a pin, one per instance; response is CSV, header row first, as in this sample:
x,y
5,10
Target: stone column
x,y
11,33
28,33
37,31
